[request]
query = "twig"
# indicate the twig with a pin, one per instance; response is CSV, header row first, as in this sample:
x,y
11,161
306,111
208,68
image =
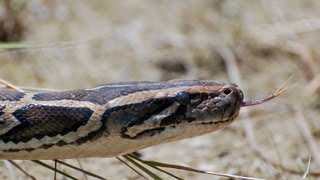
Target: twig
x,y
10,86
136,171
308,167
24,172
57,44
32,89
306,134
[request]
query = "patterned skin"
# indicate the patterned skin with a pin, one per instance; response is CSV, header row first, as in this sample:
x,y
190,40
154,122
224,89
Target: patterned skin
x,y
113,119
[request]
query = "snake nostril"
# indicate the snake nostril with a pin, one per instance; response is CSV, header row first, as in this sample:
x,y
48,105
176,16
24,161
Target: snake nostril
x,y
227,91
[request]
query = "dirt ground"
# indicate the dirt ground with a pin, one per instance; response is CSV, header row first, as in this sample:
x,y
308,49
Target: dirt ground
x,y
80,44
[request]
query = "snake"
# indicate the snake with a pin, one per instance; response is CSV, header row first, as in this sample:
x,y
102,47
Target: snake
x,y
112,119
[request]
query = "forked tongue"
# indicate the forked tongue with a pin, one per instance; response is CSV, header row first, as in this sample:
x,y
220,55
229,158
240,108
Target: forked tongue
x,y
264,99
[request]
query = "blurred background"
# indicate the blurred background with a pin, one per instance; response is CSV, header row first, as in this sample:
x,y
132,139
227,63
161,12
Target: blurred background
x,y
257,44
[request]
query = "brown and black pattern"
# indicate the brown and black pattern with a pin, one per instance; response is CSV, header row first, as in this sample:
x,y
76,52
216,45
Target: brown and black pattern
x,y
37,121
131,111
128,115
10,95
105,93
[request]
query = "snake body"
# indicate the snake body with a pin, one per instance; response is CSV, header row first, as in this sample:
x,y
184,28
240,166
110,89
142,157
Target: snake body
x,y
112,119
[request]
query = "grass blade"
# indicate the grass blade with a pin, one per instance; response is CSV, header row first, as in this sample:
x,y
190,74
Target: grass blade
x,y
132,168
22,170
147,171
79,169
52,168
173,166
155,167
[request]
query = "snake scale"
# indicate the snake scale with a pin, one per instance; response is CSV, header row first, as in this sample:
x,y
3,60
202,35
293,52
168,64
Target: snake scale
x,y
113,119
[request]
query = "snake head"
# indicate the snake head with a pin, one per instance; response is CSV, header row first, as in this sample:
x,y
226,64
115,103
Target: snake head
x,y
203,107
183,112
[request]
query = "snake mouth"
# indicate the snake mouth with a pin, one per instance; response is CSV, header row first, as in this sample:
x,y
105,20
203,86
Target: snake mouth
x,y
159,130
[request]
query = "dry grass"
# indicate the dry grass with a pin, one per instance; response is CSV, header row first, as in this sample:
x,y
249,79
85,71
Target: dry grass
x,y
84,44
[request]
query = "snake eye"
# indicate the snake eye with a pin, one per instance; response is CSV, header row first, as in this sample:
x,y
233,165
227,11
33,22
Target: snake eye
x,y
183,98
